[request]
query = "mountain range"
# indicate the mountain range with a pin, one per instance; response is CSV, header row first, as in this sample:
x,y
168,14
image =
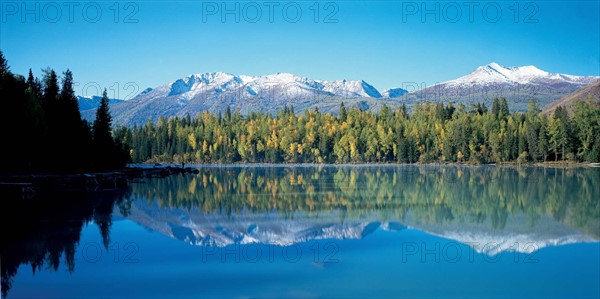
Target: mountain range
x,y
215,92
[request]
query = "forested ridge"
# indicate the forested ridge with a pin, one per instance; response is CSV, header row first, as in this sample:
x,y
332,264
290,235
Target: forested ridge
x,y
42,127
432,132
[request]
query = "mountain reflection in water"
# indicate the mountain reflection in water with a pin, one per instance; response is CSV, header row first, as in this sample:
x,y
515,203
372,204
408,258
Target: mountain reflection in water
x,y
282,206
279,205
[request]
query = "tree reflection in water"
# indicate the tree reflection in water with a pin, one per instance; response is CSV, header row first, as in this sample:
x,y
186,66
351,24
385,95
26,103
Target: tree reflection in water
x,y
48,226
431,194
41,230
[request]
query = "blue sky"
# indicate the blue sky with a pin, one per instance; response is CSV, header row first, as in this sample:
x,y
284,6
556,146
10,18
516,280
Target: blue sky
x,y
386,43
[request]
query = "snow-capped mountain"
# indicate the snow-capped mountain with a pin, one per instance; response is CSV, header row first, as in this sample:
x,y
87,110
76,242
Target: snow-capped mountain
x,y
494,73
215,92
283,84
517,84
218,91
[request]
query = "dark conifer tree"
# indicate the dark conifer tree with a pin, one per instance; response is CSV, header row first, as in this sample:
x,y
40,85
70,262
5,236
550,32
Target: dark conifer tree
x,y
343,112
52,110
496,108
51,89
74,134
103,141
504,112
108,153
4,69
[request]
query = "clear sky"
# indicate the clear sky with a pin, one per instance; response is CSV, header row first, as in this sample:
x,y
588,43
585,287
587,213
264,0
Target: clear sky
x,y
386,43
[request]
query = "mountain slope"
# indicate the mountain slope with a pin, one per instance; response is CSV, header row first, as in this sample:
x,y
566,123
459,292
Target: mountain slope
x,y
517,84
394,93
589,93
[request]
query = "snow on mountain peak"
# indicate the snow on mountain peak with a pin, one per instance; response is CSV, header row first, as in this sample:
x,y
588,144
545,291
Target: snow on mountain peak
x,y
490,68
351,88
494,73
286,77
194,84
494,65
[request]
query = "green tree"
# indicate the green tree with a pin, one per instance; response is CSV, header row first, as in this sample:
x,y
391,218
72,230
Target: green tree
x,y
543,140
558,136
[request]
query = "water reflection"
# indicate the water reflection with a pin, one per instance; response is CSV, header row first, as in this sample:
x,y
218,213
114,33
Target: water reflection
x,y
285,205
221,206
42,230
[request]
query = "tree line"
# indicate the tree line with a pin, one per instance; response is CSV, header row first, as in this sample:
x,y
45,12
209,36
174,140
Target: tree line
x,y
42,127
432,132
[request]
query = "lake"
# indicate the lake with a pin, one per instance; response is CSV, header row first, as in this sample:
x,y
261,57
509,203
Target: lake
x,y
313,231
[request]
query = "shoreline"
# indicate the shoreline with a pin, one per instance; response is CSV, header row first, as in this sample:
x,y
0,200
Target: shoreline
x,y
26,186
135,170
153,165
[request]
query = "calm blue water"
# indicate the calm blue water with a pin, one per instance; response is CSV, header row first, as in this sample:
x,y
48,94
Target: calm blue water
x,y
319,232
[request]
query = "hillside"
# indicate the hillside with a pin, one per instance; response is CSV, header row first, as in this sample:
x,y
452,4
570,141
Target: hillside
x,y
589,93
517,84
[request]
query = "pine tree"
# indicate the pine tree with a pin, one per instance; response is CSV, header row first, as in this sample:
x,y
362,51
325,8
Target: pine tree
x,y
496,108
102,124
69,99
343,112
34,85
543,142
52,111
74,131
558,136
4,69
50,88
102,138
504,112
